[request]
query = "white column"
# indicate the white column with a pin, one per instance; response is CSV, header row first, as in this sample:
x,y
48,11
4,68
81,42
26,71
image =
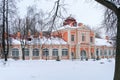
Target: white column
x,y
69,36
50,53
77,51
70,57
95,53
89,54
60,52
107,53
10,52
40,53
99,53
20,52
30,51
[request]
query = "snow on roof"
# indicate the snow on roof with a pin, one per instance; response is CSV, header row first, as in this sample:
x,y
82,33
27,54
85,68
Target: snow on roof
x,y
15,41
66,27
51,40
102,42
43,40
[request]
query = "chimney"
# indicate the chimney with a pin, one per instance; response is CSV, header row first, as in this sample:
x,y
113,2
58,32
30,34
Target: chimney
x,y
29,33
107,38
41,35
18,34
80,24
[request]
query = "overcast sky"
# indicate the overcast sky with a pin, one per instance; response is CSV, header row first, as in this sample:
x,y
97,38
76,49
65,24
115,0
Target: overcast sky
x,y
89,13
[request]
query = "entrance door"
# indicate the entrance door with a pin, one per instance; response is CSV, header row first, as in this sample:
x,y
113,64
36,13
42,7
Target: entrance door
x,y
83,54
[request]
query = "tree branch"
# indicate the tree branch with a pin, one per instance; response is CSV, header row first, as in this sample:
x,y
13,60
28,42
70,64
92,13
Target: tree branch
x,y
108,4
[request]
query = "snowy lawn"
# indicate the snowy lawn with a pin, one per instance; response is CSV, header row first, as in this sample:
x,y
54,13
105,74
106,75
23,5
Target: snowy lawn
x,y
57,70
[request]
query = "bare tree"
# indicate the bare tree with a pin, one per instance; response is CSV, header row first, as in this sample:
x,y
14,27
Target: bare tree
x,y
7,11
113,20
97,31
57,15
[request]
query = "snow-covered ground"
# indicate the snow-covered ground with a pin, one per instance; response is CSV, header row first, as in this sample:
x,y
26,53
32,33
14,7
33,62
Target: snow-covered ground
x,y
57,70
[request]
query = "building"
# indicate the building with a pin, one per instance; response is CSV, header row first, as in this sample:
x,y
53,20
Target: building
x,y
71,41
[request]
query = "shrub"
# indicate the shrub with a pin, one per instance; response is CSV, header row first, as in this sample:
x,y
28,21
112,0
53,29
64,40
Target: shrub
x,y
97,58
58,58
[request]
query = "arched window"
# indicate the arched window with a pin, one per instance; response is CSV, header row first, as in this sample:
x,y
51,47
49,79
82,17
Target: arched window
x,y
97,52
45,52
26,52
55,52
35,52
114,52
15,52
109,52
64,52
72,37
101,53
72,55
105,52
83,54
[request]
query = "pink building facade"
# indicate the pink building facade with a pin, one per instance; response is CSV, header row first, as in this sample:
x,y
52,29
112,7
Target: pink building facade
x,y
71,41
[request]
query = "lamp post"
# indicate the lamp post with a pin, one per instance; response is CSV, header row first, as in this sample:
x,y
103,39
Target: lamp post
x,y
46,53
72,54
22,45
97,54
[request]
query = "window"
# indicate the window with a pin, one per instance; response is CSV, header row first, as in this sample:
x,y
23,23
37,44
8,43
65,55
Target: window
x,y
83,37
91,39
15,52
55,52
101,52
109,52
105,52
114,52
35,52
97,52
45,52
72,54
83,54
26,52
64,52
72,37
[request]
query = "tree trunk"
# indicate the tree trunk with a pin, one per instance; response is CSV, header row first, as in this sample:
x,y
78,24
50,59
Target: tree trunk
x,y
117,59
6,55
23,54
3,33
7,44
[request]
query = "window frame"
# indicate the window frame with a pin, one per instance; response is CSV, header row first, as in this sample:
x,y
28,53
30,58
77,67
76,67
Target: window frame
x,y
15,50
26,52
83,37
72,37
64,52
35,52
44,52
91,39
55,52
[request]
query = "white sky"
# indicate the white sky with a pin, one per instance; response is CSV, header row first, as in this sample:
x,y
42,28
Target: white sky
x,y
89,13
